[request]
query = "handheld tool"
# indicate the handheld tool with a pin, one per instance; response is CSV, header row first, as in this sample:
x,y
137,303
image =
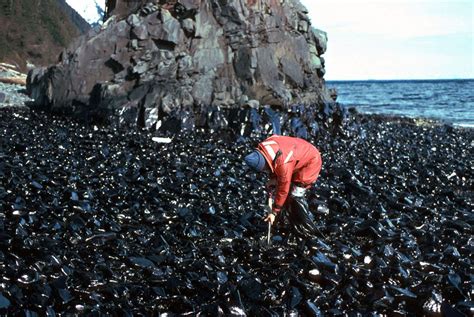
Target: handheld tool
x,y
270,204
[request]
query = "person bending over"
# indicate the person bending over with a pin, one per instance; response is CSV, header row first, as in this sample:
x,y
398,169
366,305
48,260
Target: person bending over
x,y
293,163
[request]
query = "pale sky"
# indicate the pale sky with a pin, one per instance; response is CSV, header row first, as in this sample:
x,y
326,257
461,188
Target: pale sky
x,y
88,9
396,39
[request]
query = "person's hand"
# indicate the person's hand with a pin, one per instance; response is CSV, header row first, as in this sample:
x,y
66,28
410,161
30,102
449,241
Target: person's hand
x,y
270,218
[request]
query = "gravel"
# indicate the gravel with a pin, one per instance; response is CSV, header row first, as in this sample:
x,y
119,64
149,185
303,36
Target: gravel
x,y
13,95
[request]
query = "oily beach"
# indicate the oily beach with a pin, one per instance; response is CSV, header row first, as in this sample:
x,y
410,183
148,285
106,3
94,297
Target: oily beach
x,y
102,220
125,191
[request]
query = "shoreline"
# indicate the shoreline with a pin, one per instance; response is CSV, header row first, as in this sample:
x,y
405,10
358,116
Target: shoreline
x,y
178,226
424,121
450,101
15,96
330,81
417,120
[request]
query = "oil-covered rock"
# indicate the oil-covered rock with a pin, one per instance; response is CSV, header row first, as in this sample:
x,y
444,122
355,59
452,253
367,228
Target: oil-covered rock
x,y
103,220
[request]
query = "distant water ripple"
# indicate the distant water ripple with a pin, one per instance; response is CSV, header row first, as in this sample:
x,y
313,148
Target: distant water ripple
x,y
451,101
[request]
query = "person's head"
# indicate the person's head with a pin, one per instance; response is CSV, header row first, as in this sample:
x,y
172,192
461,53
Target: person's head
x,y
256,161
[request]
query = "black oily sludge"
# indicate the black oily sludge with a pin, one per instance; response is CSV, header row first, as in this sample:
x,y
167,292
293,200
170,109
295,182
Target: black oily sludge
x,y
98,220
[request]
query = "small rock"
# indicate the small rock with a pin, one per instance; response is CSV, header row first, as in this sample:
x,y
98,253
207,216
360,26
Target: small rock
x,y
4,302
134,20
189,26
254,104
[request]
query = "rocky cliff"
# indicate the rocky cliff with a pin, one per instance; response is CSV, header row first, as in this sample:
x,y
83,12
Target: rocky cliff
x,y
37,31
158,59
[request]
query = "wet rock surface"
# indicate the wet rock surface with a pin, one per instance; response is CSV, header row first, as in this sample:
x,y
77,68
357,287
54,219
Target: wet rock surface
x,y
12,88
104,220
13,95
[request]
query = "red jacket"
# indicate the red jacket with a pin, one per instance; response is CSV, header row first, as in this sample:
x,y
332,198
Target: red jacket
x,y
291,160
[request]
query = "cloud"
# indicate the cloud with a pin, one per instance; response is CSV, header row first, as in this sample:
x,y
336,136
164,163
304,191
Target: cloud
x,y
396,39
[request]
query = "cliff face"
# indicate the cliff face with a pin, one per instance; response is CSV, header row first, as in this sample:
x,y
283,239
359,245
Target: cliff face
x,y
37,31
155,59
122,8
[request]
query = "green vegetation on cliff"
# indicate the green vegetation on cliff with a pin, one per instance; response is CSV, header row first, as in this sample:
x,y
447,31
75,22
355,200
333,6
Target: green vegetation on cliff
x,y
34,31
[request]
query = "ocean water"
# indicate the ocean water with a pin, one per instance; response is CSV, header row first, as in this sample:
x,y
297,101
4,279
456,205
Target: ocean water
x,y
451,101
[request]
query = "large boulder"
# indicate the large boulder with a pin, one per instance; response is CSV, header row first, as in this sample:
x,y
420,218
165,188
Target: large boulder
x,y
153,60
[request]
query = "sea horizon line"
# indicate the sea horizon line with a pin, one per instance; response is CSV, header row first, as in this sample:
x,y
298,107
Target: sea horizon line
x,y
399,80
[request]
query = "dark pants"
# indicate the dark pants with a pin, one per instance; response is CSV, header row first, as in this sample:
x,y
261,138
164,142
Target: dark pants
x,y
300,218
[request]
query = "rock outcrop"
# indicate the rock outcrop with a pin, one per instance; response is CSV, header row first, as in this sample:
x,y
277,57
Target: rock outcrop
x,y
159,59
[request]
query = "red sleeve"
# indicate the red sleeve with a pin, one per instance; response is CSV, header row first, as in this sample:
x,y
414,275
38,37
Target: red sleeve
x,y
283,174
